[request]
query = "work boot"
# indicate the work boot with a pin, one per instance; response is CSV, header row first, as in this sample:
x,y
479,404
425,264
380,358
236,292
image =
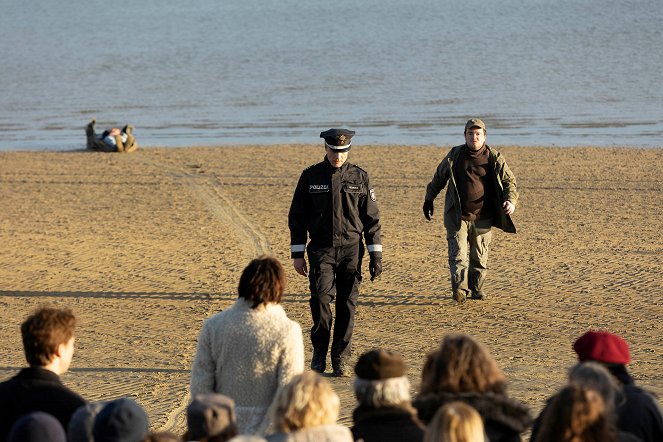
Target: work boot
x,y
341,369
318,362
459,296
480,295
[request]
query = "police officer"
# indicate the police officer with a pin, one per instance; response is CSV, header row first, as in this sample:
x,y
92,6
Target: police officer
x,y
335,204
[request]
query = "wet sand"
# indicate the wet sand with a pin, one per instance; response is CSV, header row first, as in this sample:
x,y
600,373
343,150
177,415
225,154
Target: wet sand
x,y
145,246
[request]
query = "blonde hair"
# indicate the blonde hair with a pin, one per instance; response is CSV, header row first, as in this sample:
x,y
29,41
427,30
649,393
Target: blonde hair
x,y
455,422
308,400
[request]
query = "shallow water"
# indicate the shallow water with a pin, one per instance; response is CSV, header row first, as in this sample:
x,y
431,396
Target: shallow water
x,y
255,71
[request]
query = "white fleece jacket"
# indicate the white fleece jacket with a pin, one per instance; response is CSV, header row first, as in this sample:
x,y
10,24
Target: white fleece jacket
x,y
248,354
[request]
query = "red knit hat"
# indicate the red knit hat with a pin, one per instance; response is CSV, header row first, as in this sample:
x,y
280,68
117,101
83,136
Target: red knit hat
x,y
602,346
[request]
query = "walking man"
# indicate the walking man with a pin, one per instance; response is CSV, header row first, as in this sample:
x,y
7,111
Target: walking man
x,y
481,193
335,204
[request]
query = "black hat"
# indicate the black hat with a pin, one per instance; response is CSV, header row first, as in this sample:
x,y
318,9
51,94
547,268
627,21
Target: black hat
x,y
380,364
37,426
121,420
338,140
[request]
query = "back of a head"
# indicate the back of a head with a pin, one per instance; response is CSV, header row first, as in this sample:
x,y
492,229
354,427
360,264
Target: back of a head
x,y
44,331
306,401
262,281
461,364
211,416
577,414
455,422
82,421
37,427
121,420
381,380
595,376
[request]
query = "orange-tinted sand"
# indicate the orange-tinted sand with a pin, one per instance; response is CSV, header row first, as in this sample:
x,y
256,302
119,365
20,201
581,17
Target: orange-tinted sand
x,y
145,246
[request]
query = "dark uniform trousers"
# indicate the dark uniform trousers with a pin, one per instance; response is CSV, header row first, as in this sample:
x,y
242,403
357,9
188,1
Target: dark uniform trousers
x,y
335,273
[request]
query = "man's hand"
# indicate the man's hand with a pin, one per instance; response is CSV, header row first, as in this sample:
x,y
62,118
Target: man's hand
x,y
428,209
508,207
375,267
300,266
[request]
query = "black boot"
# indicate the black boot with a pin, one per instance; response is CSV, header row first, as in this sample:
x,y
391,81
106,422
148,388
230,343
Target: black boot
x,y
319,361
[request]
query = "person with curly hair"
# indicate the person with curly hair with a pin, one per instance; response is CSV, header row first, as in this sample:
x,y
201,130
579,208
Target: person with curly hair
x,y
463,370
250,350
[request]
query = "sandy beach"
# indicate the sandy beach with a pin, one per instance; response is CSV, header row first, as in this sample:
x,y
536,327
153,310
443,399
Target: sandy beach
x,y
145,246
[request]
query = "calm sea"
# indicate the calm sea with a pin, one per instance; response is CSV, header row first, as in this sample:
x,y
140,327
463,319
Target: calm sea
x,y
563,72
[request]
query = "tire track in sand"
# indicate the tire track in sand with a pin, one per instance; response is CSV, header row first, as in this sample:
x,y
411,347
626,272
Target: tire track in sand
x,y
208,190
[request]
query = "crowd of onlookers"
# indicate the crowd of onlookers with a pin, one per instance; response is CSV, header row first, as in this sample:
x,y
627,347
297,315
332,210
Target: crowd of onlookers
x,y
248,383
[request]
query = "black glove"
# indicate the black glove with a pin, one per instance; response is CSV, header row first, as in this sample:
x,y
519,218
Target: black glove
x,y
375,267
428,209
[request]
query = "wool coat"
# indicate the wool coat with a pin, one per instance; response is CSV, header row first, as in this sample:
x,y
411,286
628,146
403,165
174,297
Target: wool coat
x,y
248,354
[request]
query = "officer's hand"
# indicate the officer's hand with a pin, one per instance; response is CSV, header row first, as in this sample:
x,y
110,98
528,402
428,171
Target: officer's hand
x,y
300,266
428,209
508,207
375,267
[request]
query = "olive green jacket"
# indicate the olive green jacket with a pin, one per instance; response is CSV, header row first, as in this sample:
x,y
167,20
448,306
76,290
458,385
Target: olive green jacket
x,y
505,186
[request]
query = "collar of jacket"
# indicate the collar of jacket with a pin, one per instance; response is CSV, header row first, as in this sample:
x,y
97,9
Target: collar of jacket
x,y
491,406
388,414
39,373
621,373
333,169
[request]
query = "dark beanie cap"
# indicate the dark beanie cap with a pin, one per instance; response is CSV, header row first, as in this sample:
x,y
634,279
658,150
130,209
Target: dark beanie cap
x,y
602,346
121,420
380,364
37,427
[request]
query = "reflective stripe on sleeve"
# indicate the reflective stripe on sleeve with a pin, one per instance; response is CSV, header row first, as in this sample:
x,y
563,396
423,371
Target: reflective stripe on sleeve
x,y
298,248
374,248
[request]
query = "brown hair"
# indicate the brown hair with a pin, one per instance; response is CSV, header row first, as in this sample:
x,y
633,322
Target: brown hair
x,y
455,422
308,400
262,281
461,364
44,331
577,414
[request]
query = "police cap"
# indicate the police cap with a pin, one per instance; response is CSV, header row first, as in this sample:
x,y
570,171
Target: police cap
x,y
339,140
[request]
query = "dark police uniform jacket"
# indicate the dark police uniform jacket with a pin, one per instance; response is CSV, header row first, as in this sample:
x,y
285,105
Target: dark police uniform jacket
x,y
335,206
